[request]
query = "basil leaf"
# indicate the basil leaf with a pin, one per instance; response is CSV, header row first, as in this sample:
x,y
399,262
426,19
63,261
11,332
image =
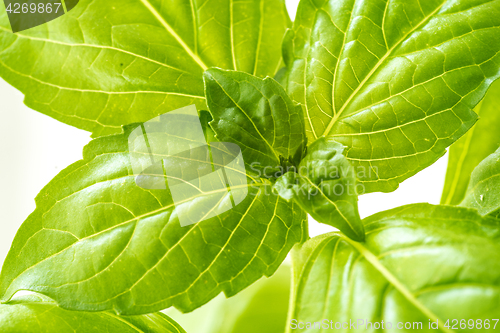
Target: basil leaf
x,y
262,308
98,241
38,314
109,63
477,144
419,263
325,187
394,82
483,192
257,115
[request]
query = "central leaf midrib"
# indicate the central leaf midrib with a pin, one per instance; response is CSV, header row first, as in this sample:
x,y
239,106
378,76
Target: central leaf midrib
x,y
333,203
177,244
226,243
170,30
100,47
136,218
393,280
67,88
373,70
259,40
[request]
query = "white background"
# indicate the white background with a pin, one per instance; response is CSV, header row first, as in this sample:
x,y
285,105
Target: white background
x,y
35,147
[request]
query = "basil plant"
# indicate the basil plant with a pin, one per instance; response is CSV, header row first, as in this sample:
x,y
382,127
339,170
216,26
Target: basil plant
x,y
220,127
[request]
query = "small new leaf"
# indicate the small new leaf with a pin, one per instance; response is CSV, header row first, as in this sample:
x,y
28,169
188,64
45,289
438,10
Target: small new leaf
x,y
325,187
258,115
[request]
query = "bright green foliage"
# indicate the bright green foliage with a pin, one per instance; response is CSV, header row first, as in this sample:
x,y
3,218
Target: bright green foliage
x,y
393,81
97,241
325,187
37,314
479,142
379,89
419,262
109,63
261,308
258,116
483,192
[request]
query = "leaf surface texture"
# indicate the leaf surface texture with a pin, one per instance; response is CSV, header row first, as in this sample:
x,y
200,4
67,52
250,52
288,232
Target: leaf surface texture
x,y
258,116
393,81
109,63
419,263
98,241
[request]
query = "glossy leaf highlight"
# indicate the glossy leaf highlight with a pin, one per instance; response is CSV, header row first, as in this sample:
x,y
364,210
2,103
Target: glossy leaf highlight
x,y
393,81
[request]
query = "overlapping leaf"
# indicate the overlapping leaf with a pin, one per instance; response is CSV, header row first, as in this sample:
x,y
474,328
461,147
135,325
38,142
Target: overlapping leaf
x,y
257,115
419,263
110,63
393,81
477,144
30,314
97,241
483,192
325,187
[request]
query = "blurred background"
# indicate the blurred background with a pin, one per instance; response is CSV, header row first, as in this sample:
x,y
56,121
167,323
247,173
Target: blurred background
x,y
34,148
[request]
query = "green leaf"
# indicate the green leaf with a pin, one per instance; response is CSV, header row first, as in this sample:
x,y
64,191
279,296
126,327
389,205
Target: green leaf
x,y
419,263
38,314
395,81
98,241
325,187
257,115
261,308
483,192
479,142
109,63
